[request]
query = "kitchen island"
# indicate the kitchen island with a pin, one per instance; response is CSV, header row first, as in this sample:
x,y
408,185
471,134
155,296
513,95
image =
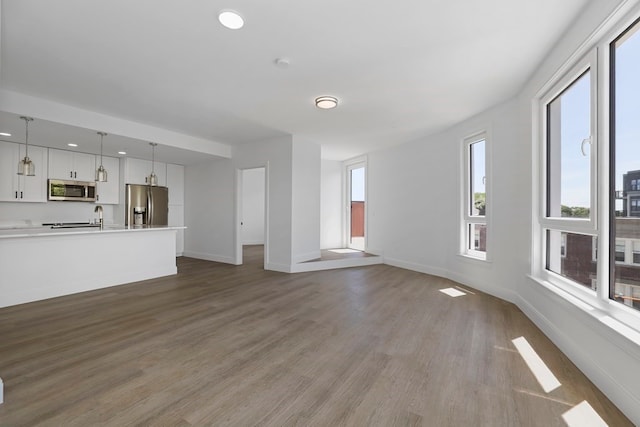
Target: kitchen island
x,y
39,263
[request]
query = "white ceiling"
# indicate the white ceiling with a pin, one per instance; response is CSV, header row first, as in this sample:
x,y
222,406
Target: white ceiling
x,y
401,70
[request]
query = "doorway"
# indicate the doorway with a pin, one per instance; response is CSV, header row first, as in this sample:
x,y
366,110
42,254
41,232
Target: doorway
x,y
356,205
252,223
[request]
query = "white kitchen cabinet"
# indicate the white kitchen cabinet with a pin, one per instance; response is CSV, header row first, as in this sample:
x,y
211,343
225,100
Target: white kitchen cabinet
x,y
71,165
108,193
19,188
175,182
176,219
137,171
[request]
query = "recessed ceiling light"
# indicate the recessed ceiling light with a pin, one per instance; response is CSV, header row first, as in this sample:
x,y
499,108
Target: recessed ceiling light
x,y
326,102
5,134
122,152
231,19
71,144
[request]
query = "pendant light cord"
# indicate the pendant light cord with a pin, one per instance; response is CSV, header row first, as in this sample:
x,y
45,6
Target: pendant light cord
x,y
101,137
26,140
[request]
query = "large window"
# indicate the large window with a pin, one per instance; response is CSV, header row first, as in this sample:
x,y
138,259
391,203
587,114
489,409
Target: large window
x,y
624,281
589,186
474,227
569,184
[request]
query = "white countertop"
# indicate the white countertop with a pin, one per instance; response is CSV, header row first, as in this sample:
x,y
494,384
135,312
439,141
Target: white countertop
x,y
48,231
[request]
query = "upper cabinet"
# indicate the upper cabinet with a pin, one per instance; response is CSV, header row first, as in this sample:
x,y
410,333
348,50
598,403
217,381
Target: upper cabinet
x,y
175,182
71,165
108,193
19,188
137,171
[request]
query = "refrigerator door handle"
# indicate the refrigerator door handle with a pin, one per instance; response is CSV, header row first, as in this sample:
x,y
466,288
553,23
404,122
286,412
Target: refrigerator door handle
x,y
150,219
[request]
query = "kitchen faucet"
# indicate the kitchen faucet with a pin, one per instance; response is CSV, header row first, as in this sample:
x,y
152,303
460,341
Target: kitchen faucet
x,y
99,210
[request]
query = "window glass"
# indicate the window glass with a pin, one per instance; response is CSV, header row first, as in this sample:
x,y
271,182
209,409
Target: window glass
x,y
571,255
620,250
569,151
478,237
625,176
474,206
478,192
636,252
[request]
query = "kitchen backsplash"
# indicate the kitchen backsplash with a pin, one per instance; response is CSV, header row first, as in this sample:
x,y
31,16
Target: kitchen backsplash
x,y
34,214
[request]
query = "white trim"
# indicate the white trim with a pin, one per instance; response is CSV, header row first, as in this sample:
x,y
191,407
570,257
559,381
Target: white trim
x,y
347,166
225,259
237,234
594,52
585,226
466,218
586,361
299,258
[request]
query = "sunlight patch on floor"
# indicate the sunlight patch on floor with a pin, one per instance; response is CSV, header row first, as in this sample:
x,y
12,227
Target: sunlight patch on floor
x,y
452,292
543,374
583,415
344,251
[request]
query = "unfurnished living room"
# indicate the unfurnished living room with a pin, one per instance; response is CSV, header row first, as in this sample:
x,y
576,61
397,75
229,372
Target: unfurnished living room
x,y
320,213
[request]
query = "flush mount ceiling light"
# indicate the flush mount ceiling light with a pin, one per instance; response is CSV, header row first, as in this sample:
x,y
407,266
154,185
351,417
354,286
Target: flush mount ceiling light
x,y
326,102
26,166
5,134
231,19
101,173
71,144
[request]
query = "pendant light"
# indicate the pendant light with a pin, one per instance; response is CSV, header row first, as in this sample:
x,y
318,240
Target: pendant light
x,y
26,166
101,173
153,179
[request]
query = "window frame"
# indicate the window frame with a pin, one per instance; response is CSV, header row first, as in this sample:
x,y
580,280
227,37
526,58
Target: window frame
x,y
597,51
467,218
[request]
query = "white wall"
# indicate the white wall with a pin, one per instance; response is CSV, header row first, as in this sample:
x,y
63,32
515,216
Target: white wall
x,y
305,222
209,211
425,176
18,103
608,358
331,204
253,199
276,156
212,198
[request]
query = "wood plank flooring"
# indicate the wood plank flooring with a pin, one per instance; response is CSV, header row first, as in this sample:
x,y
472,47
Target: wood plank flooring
x,y
239,346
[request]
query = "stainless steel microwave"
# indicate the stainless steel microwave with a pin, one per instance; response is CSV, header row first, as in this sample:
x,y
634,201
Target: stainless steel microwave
x,y
79,191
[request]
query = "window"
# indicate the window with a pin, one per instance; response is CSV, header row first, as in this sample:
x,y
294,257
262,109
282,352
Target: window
x,y
568,219
475,197
587,238
624,283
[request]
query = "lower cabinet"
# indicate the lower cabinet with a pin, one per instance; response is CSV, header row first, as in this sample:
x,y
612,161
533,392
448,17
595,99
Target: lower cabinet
x,y
176,219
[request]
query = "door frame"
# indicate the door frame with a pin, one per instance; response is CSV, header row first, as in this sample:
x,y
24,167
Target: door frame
x,y
237,230
348,166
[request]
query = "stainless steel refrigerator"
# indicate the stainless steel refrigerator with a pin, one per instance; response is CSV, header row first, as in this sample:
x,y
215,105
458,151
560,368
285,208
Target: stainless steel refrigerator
x,y
146,205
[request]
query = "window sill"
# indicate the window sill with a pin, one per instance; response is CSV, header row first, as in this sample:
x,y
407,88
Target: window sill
x,y
471,257
627,335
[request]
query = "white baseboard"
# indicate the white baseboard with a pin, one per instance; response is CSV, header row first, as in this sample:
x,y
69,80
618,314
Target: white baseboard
x,y
282,268
434,271
595,370
306,257
210,257
498,292
337,263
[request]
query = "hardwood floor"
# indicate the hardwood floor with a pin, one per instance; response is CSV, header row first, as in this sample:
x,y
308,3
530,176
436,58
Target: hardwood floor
x,y
236,345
